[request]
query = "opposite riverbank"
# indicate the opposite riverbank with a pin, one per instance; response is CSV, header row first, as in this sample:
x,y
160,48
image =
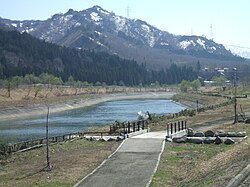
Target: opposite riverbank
x,y
70,103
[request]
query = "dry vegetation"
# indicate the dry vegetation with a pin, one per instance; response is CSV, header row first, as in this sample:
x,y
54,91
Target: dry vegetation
x,y
180,165
71,161
205,165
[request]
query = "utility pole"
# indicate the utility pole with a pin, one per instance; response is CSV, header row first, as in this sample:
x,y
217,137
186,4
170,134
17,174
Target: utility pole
x,y
47,141
235,96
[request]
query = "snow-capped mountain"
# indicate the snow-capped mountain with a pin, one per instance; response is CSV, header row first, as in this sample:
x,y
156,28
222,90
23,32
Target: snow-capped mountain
x,y
96,28
240,51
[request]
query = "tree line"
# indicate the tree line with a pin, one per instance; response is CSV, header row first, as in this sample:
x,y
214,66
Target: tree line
x,y
22,55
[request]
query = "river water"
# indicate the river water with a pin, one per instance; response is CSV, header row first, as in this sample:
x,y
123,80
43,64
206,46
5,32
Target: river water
x,y
83,118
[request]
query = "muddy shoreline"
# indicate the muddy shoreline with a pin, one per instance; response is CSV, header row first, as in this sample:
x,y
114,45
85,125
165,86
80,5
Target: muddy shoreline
x,y
41,109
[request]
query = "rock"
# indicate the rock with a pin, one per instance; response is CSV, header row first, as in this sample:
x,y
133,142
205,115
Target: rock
x,y
208,140
198,134
180,140
241,134
190,132
218,140
247,121
229,141
220,133
196,140
111,139
231,134
209,133
119,138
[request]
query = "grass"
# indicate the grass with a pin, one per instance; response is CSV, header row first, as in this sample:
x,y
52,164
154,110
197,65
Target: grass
x,y
185,165
71,161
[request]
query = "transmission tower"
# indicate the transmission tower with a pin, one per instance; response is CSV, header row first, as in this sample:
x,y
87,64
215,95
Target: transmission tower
x,y
211,32
128,11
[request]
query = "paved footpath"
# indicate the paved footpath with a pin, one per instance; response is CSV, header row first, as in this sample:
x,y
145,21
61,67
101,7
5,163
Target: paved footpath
x,y
133,164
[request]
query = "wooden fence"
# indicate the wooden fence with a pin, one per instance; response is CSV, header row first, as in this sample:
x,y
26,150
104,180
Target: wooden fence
x,y
129,127
119,128
177,126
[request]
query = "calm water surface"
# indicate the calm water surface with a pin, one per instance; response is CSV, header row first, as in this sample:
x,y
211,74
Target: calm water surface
x,y
83,118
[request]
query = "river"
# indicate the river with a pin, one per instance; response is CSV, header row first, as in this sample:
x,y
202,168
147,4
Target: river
x,y
82,118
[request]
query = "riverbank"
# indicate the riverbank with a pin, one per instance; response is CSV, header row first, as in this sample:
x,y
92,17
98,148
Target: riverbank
x,y
39,109
73,160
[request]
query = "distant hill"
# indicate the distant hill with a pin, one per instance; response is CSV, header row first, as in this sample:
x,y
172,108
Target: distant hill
x,y
240,51
96,28
21,53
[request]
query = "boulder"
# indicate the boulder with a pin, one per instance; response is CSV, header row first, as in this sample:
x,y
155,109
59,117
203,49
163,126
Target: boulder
x,y
220,133
196,140
208,140
229,141
231,134
198,134
247,121
119,138
110,139
241,134
190,132
209,133
180,139
218,140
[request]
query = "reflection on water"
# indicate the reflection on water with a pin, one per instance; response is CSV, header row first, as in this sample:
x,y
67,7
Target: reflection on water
x,y
80,119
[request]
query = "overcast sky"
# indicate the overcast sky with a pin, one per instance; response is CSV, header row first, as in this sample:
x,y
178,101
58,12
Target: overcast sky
x,y
230,19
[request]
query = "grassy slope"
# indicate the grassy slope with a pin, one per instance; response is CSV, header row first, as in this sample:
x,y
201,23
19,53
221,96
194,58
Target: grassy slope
x,y
205,165
71,161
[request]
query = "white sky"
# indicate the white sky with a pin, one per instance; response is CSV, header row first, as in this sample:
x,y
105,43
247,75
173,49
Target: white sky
x,y
229,18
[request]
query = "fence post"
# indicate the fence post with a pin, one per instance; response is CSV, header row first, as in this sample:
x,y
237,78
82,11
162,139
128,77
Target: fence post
x,y
168,130
182,125
143,124
138,125
128,127
124,130
134,126
175,127
179,127
171,128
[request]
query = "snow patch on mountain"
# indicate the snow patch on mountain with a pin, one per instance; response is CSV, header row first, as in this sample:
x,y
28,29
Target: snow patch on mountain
x,y
202,43
120,23
185,44
95,17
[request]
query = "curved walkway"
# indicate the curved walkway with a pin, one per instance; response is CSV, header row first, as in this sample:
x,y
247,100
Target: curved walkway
x,y
133,164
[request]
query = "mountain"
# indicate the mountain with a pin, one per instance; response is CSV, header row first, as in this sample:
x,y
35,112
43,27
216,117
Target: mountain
x,y
240,51
21,54
96,28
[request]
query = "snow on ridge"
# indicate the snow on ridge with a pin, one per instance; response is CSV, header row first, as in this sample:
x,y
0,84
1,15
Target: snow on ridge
x,y
77,24
202,43
64,19
120,23
29,30
95,17
98,33
163,43
184,44
103,11
145,28
14,24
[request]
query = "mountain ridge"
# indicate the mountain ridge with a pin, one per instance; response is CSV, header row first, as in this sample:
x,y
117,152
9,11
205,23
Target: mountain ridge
x,y
98,29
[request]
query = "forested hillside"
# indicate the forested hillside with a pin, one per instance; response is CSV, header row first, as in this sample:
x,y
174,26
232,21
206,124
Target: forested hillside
x,y
22,54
